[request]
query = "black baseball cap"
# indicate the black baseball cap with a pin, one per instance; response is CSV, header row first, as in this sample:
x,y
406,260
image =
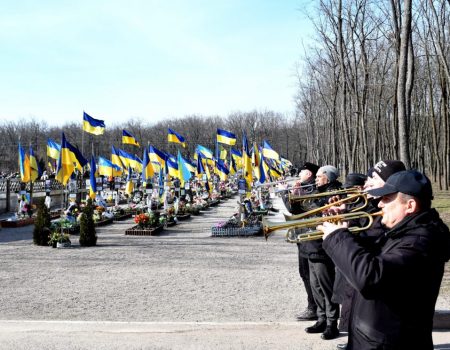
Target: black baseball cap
x,y
410,182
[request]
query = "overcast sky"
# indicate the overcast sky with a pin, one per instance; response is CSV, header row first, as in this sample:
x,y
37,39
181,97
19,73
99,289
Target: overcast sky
x,y
149,59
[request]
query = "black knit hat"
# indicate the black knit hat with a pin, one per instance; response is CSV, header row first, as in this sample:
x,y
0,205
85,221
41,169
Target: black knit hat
x,y
310,166
386,168
354,179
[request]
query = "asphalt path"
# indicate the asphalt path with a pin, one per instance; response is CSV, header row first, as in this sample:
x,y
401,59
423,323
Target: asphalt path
x,y
182,289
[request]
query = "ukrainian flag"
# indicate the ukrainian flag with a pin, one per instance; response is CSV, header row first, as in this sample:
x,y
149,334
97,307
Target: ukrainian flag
x,y
53,149
246,162
24,165
172,168
204,152
129,139
35,172
222,170
147,168
226,137
130,160
222,152
184,173
93,126
157,157
190,165
268,151
233,168
237,156
92,179
200,169
65,166
107,168
258,166
129,186
76,156
115,158
175,137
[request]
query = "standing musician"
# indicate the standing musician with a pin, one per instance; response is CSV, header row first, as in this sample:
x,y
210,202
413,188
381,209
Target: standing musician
x,y
321,267
305,185
397,277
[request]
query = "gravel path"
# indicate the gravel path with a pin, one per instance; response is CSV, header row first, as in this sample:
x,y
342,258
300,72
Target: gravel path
x,y
182,276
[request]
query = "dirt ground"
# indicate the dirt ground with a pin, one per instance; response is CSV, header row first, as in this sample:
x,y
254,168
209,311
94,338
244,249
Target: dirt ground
x,y
181,289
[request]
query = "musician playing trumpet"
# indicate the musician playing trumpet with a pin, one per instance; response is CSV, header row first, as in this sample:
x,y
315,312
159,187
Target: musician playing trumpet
x,y
397,277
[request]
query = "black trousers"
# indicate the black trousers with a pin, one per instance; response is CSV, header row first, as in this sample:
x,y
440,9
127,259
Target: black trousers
x,y
322,275
303,269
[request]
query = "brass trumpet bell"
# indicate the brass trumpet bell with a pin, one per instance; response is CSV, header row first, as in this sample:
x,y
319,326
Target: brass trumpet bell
x,y
347,200
271,226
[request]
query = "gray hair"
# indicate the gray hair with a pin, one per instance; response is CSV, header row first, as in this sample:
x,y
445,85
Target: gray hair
x,y
330,171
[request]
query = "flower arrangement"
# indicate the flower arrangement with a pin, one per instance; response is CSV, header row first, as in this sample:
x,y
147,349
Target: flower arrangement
x,y
58,237
142,220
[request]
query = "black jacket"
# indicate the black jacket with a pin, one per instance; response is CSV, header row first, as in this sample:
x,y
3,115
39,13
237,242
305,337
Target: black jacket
x,y
313,249
397,282
296,207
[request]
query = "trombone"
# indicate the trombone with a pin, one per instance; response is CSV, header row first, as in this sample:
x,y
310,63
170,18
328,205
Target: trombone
x,y
347,200
270,226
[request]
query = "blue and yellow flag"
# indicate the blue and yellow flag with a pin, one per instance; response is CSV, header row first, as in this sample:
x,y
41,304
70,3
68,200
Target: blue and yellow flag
x,y
173,136
222,170
204,152
108,168
35,171
130,160
53,149
200,169
65,166
222,152
268,151
226,137
129,186
115,158
237,156
93,126
190,165
147,168
92,179
24,165
246,162
157,157
172,168
76,156
129,139
258,166
184,173
233,168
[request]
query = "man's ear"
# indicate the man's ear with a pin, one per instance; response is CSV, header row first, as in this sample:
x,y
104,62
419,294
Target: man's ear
x,y
412,206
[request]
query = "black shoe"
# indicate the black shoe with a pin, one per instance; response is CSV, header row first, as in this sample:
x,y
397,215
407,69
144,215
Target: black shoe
x,y
318,327
330,332
341,346
307,315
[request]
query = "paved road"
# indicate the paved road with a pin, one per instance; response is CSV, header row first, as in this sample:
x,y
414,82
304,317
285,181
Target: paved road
x,y
180,290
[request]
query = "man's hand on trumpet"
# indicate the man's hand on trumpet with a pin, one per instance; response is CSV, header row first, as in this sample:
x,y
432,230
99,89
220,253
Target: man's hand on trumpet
x,y
327,227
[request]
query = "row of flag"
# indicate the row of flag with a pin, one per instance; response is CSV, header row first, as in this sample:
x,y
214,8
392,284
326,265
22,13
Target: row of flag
x,y
260,162
97,127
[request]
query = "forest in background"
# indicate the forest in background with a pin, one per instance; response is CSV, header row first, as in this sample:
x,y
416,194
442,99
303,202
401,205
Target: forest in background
x,y
372,84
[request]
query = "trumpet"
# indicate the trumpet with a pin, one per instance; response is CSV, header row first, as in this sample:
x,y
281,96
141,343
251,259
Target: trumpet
x,y
270,226
347,200
265,184
310,197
